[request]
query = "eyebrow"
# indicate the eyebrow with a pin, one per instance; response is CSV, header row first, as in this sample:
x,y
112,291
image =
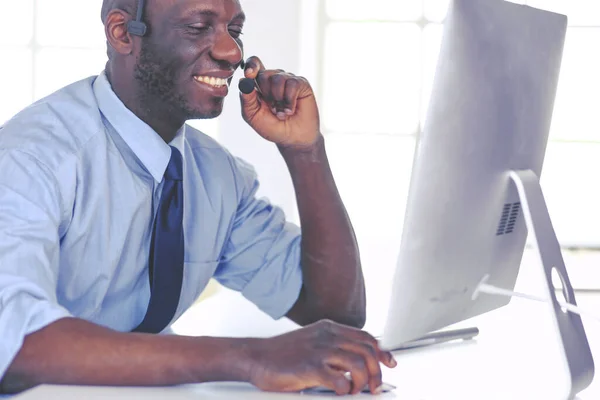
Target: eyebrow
x,y
209,13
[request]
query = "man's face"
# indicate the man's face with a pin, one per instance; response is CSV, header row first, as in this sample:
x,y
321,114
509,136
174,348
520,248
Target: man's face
x,y
188,56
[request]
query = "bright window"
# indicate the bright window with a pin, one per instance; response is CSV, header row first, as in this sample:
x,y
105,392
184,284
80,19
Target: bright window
x,y
48,44
384,54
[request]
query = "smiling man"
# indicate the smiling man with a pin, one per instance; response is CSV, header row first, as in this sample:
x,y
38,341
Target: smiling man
x,y
115,215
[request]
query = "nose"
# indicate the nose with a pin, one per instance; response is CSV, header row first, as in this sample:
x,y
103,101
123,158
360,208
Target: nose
x,y
227,49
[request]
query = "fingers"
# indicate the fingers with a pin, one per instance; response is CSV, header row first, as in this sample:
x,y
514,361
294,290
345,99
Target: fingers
x,y
282,92
360,336
336,380
321,354
276,89
251,105
252,101
387,359
253,67
353,363
279,89
371,362
263,80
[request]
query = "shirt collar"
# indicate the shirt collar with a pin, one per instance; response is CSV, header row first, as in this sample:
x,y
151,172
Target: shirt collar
x,y
145,143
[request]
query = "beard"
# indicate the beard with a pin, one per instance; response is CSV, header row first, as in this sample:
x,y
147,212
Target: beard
x,y
159,89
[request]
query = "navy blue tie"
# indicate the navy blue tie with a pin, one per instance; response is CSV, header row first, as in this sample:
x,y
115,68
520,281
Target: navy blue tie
x,y
166,251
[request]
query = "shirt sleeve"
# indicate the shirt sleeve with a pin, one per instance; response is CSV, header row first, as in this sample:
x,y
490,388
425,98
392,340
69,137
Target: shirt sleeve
x,y
30,214
261,258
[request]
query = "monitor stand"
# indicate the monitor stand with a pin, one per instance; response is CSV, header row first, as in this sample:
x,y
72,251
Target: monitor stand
x,y
575,345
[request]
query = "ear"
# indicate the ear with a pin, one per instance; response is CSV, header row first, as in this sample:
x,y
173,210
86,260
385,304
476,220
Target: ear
x,y
118,37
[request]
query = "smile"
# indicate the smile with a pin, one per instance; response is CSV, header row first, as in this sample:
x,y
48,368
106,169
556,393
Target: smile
x,y
211,81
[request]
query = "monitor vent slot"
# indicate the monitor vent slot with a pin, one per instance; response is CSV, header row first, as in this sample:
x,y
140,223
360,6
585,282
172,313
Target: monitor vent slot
x,y
510,214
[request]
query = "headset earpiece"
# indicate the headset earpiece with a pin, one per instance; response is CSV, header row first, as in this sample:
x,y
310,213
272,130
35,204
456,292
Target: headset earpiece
x,y
138,27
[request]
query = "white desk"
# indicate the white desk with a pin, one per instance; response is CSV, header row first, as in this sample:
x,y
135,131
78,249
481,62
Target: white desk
x,y
517,358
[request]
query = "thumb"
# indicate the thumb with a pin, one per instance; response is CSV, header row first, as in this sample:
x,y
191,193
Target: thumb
x,y
249,99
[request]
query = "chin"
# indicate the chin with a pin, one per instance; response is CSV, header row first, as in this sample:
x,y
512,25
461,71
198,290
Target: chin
x,y
203,112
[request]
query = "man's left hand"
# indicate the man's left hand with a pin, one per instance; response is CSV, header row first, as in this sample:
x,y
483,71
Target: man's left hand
x,y
282,108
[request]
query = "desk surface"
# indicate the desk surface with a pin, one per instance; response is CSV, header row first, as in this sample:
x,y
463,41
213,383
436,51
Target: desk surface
x,y
515,357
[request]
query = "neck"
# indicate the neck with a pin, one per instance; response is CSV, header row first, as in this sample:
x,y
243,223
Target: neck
x,y
153,115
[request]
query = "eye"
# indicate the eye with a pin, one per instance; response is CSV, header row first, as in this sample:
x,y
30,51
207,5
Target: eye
x,y
235,31
198,28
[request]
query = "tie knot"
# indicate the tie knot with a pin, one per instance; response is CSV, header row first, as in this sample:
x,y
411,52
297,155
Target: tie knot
x,y
175,167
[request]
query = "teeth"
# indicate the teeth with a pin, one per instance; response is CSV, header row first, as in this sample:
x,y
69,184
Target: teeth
x,y
211,80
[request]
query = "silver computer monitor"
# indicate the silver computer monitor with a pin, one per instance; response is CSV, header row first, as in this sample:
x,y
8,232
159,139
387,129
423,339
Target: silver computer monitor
x,y
488,119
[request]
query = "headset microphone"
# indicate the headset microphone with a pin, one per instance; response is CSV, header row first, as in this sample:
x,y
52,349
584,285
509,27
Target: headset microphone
x,y
246,85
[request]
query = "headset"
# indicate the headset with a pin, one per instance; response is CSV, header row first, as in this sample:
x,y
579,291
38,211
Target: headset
x,y
138,27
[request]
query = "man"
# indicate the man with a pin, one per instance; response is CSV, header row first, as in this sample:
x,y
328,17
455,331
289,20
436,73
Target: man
x,y
102,186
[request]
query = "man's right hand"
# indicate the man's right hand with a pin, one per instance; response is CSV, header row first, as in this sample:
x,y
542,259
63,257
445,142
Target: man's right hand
x,y
319,355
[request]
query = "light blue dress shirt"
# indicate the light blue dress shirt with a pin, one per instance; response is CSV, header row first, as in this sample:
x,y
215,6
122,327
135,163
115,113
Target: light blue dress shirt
x,y
80,179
